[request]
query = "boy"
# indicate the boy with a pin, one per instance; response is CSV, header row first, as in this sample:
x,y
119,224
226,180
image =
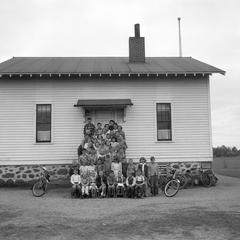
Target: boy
x,y
89,127
153,176
92,184
74,166
140,181
111,181
101,182
85,184
130,183
120,188
75,181
99,129
144,169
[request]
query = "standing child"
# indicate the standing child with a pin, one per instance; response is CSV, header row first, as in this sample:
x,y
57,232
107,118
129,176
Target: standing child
x,y
144,169
116,166
89,127
153,176
140,181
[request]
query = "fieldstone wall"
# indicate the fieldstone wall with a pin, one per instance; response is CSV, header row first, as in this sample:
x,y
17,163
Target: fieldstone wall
x,y
18,175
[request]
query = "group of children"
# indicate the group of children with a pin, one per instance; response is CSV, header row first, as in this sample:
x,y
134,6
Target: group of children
x,y
102,168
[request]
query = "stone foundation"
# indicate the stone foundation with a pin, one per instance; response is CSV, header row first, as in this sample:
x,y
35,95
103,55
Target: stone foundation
x,y
20,175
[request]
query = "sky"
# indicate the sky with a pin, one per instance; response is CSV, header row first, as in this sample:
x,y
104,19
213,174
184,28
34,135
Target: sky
x,y
210,33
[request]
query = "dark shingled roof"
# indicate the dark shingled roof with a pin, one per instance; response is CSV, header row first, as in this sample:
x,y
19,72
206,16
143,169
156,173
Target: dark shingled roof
x,y
114,65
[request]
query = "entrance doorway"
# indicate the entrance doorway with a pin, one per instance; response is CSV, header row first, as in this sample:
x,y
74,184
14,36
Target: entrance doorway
x,y
103,115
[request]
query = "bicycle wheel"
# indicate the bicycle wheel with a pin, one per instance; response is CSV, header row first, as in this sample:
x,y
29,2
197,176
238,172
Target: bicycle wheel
x,y
189,180
206,180
171,188
39,188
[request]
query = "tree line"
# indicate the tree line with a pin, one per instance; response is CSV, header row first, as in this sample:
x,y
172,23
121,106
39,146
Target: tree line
x,y
223,151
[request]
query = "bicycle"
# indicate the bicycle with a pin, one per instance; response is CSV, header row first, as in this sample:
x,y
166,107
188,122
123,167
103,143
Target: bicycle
x,y
40,186
208,178
172,185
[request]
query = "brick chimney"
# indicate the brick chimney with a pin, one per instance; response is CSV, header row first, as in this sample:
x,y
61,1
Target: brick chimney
x,y
136,47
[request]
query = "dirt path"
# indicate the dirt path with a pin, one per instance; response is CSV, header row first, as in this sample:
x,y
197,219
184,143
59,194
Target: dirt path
x,y
199,213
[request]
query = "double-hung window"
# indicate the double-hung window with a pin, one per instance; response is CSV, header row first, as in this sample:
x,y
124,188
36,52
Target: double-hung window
x,y
164,122
43,122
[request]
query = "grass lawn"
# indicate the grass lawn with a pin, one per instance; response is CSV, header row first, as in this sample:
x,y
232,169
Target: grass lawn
x,y
227,166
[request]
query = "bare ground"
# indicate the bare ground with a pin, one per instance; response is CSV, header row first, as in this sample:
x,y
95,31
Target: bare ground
x,y
198,213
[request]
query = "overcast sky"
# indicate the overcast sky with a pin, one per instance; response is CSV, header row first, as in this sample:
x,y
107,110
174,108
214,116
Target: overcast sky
x,y
210,33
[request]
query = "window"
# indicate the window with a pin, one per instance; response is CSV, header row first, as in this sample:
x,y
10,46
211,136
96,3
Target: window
x,y
43,123
164,122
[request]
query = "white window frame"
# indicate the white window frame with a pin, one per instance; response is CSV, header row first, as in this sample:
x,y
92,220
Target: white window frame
x,y
172,121
35,123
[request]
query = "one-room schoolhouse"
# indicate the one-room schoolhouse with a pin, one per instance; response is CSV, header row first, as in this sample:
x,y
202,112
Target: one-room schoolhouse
x,y
162,104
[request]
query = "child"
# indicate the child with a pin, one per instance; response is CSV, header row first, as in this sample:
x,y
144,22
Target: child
x,y
153,176
107,165
120,189
116,166
131,167
130,183
100,165
111,181
75,181
89,127
111,124
114,144
124,167
84,168
140,181
85,184
74,166
121,132
99,129
101,182
92,184
144,169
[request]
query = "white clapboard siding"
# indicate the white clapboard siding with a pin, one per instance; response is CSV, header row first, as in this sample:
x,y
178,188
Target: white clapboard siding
x,y
189,99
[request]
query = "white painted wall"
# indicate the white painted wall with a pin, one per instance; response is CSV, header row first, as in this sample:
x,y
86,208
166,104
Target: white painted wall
x,y
190,115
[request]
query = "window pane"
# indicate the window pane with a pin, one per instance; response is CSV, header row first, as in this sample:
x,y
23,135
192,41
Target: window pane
x,y
43,123
164,128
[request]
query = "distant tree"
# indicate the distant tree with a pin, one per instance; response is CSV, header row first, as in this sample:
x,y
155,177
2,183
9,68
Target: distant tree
x,y
224,151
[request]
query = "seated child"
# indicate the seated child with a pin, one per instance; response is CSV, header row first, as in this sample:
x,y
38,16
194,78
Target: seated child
x,y
85,184
130,183
92,183
120,188
75,181
111,181
140,182
101,182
